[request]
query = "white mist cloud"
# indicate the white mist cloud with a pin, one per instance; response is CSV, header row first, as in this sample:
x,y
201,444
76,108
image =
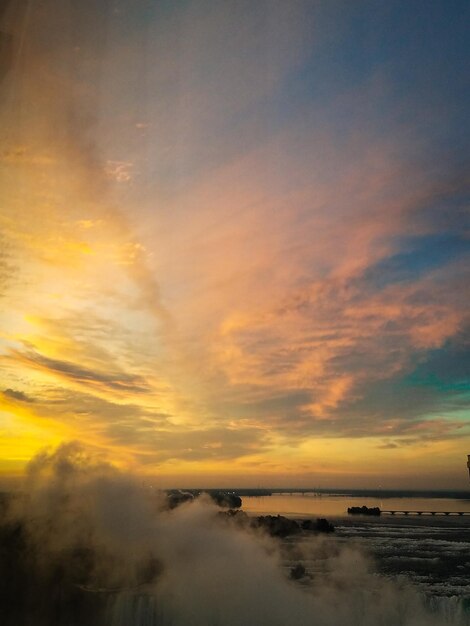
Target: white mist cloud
x,y
99,548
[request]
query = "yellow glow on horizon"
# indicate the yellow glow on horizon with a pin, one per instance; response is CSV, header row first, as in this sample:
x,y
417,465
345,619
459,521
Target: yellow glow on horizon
x,y
22,436
200,303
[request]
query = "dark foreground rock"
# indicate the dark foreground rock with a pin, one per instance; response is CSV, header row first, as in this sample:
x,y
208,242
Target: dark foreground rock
x,y
228,500
298,572
364,510
277,525
321,525
176,497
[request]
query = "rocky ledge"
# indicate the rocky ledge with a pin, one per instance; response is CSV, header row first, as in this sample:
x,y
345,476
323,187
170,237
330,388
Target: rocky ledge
x,y
278,525
364,510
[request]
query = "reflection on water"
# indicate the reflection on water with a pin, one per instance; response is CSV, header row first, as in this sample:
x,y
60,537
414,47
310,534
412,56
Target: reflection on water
x,y
337,506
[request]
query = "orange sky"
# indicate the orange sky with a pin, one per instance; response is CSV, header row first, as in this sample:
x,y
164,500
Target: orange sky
x,y
224,263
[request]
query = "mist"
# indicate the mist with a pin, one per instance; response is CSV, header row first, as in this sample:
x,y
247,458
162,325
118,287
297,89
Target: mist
x,y
84,544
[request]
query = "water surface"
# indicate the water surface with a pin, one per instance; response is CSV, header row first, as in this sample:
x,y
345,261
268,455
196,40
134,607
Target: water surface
x,y
335,505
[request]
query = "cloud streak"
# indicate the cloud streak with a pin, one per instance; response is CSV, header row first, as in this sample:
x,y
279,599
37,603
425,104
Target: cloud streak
x,y
118,381
231,235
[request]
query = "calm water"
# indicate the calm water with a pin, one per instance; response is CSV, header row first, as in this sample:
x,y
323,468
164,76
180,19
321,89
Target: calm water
x,y
337,506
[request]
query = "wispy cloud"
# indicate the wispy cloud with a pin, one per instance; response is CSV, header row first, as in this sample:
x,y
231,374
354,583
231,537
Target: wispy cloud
x,y
244,242
17,395
119,382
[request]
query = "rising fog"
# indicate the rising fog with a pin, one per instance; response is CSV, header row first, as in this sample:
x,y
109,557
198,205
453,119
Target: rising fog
x,y
85,544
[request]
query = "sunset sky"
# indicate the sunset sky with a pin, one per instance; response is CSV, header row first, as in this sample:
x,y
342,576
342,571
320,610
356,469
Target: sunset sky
x,y
234,239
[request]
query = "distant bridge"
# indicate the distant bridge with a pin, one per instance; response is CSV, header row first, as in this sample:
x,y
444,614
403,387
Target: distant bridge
x,y
400,512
